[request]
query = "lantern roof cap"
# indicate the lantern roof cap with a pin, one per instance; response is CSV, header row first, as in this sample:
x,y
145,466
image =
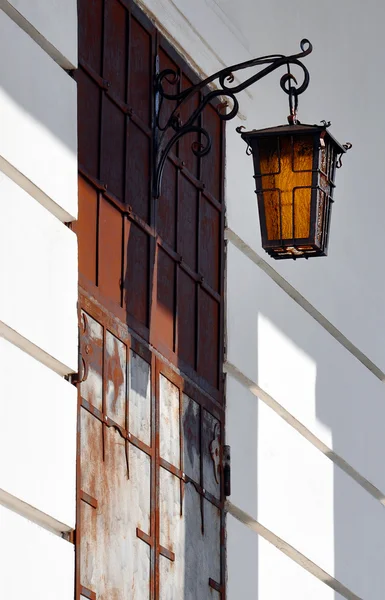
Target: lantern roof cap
x,y
299,128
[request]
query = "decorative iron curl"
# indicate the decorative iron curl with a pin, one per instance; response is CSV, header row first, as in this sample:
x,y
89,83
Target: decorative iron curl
x,y
224,89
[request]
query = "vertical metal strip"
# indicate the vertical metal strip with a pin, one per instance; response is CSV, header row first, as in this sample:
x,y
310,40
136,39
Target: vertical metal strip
x,y
221,375
98,238
127,407
78,476
176,267
176,230
125,154
157,478
126,151
104,390
152,270
222,265
201,479
123,261
102,92
153,478
198,224
181,457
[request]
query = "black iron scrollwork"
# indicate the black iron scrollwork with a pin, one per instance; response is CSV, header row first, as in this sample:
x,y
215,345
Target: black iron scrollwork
x,y
225,77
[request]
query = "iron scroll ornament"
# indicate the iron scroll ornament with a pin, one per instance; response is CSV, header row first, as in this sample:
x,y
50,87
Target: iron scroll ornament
x,y
225,77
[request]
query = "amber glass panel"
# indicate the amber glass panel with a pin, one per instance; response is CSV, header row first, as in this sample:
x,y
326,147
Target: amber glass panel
x,y
286,178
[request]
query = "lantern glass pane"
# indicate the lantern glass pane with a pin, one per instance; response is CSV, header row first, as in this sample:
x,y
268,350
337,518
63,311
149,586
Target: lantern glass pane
x,y
286,164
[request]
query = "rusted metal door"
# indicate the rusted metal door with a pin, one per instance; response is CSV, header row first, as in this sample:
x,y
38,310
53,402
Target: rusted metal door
x,y
151,415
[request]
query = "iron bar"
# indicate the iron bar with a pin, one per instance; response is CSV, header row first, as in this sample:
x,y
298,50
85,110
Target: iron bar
x,y
225,77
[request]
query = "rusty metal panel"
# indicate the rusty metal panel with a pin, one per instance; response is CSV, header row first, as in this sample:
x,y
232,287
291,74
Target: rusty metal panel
x,y
138,171
191,530
112,164
208,351
211,454
140,398
164,321
150,522
210,230
156,260
86,228
136,278
92,367
88,125
167,210
115,44
110,251
90,13
169,421
191,438
140,70
115,563
186,320
187,226
115,481
116,369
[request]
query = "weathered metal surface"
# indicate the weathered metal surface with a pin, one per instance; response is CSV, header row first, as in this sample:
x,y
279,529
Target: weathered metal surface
x,y
169,421
91,350
197,552
150,509
116,369
114,561
211,454
158,264
140,398
191,438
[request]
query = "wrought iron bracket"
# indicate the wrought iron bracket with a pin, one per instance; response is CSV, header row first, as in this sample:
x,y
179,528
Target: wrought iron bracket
x,y
167,133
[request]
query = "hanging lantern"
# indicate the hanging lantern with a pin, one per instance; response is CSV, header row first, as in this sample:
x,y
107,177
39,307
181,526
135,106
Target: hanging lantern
x,y
294,164
294,169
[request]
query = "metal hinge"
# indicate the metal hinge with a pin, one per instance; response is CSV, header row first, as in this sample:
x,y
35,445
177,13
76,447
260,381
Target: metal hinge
x,y
226,470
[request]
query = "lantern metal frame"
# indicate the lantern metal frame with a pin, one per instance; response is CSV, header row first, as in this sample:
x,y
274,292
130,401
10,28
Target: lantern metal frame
x,y
164,142
283,248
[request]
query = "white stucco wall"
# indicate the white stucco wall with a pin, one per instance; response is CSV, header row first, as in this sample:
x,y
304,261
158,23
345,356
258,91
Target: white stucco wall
x,y
38,299
305,352
53,27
